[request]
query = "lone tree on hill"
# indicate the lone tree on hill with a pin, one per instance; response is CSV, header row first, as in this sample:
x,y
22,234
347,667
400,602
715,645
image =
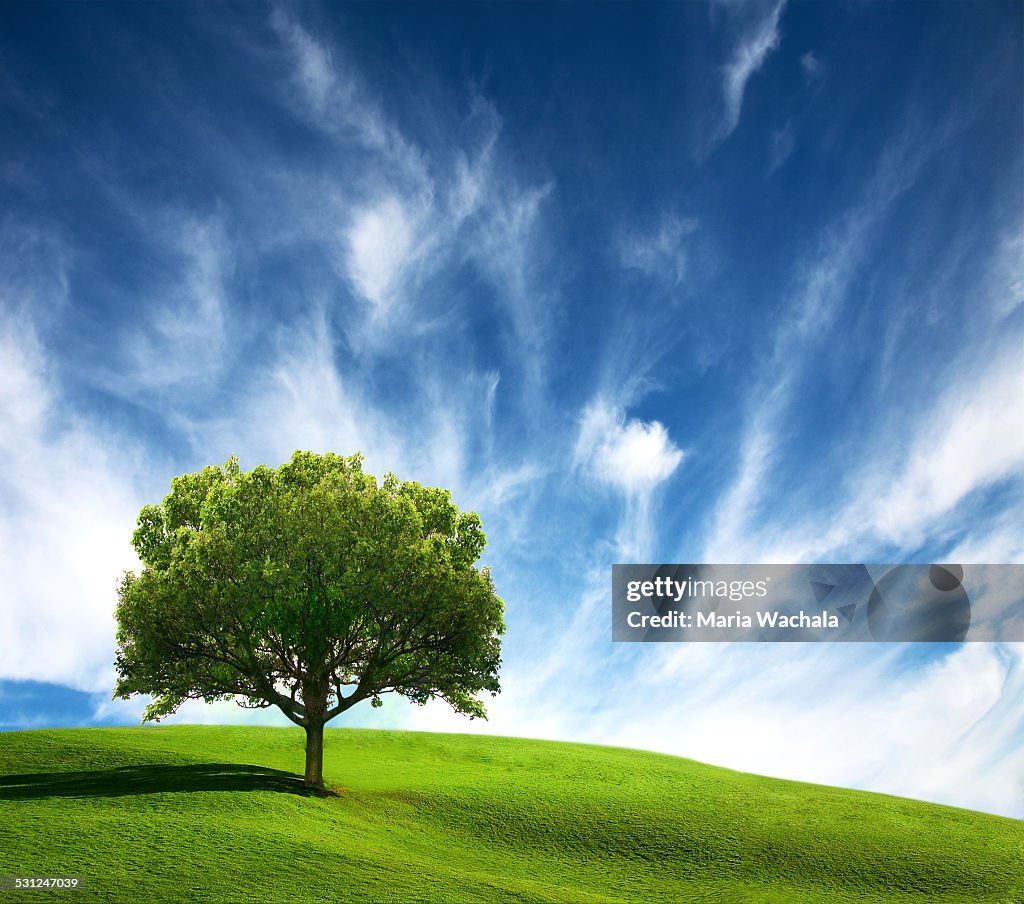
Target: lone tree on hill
x,y
308,587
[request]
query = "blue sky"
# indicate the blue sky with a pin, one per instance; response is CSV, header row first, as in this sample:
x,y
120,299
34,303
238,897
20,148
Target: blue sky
x,y
726,282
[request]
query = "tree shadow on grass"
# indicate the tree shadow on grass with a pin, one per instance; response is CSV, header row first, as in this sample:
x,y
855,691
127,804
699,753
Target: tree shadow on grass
x,y
152,778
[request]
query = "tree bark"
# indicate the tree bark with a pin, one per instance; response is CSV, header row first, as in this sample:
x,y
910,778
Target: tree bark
x,y
315,755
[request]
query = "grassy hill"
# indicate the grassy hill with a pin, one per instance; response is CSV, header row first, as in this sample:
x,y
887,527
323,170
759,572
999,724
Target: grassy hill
x,y
195,813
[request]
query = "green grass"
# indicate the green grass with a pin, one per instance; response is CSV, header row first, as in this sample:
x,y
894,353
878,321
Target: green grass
x,y
195,813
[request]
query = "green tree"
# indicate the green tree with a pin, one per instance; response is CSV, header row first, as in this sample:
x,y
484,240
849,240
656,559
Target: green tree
x,y
309,587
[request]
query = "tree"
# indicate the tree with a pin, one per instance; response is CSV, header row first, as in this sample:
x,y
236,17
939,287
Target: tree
x,y
309,587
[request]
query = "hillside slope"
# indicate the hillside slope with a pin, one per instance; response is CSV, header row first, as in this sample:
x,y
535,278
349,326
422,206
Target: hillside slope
x,y
204,813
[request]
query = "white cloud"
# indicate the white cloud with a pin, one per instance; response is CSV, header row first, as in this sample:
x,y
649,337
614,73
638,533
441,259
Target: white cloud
x,y
68,512
381,242
971,437
904,490
633,456
760,39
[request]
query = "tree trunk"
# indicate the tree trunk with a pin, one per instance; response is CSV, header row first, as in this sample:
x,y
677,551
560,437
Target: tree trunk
x,y
315,755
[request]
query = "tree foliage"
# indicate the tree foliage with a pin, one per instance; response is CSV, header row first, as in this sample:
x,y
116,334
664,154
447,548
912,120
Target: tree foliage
x,y
309,587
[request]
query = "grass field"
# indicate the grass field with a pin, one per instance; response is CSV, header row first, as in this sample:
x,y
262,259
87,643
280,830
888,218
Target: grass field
x,y
197,813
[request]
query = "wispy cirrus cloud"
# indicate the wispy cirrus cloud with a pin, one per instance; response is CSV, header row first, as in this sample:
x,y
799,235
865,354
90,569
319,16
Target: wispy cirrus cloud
x,y
182,333
820,299
406,223
969,438
918,489
199,349
1006,288
759,37
661,253
417,215
904,488
335,99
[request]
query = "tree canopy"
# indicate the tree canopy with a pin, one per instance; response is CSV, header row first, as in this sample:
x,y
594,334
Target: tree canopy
x,y
309,587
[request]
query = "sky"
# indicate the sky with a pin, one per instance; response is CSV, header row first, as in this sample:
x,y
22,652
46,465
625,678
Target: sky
x,y
689,282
